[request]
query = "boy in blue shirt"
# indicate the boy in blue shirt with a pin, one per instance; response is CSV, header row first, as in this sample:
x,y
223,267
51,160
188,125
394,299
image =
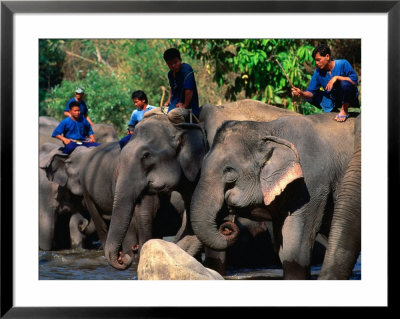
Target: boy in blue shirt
x,y
75,130
338,80
79,93
140,100
183,89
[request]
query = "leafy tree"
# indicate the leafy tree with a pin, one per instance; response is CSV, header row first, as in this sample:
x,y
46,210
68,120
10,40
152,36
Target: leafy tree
x,y
225,70
254,66
110,70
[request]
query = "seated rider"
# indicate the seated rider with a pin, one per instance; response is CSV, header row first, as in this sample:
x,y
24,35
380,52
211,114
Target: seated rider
x,y
337,79
75,130
140,100
183,88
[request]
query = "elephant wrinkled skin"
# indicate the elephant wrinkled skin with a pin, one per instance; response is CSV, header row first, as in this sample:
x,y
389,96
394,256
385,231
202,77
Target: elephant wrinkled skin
x,y
291,167
344,243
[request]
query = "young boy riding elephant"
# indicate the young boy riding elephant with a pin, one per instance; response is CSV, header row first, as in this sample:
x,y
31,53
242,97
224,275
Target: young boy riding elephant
x,y
338,80
75,130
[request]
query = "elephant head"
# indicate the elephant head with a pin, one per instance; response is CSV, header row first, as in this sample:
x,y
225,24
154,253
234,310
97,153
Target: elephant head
x,y
64,169
160,157
246,169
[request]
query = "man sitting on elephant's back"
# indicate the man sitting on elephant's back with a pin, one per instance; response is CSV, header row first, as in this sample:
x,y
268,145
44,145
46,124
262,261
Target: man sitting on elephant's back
x,y
337,79
75,130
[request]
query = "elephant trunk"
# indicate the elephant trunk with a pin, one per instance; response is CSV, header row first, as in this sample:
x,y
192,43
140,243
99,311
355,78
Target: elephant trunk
x,y
207,202
121,218
345,234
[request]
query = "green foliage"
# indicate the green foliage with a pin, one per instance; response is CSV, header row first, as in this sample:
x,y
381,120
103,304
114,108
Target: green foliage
x,y
225,70
251,66
50,64
110,70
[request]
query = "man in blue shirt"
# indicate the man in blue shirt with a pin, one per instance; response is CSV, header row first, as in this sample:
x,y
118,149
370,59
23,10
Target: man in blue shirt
x,y
140,100
338,80
183,89
79,93
75,130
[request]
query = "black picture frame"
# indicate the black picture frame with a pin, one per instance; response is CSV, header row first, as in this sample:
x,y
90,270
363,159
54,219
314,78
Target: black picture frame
x,y
9,8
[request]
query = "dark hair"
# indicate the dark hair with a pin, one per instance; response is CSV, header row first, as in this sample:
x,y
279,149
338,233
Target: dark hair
x,y
140,95
74,103
171,54
322,49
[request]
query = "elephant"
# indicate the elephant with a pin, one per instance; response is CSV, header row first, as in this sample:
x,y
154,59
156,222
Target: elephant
x,y
344,244
287,170
157,155
91,174
159,158
244,110
63,219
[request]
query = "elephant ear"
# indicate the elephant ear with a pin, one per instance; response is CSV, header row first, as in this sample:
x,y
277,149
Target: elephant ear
x,y
64,169
280,167
53,164
191,149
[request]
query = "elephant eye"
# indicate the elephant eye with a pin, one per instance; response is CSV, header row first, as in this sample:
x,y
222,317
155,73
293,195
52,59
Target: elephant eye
x,y
146,155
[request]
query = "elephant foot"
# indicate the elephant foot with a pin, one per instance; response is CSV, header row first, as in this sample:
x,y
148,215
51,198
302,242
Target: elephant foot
x,y
294,271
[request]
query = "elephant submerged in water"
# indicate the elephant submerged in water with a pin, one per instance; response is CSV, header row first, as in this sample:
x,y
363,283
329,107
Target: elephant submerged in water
x,y
288,170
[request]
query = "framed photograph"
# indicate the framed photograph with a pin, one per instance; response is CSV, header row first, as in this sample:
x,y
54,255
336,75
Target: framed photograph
x,y
24,293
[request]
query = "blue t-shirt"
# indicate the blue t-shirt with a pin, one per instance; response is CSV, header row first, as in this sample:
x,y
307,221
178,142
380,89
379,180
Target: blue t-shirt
x,y
77,130
184,79
137,115
321,78
84,109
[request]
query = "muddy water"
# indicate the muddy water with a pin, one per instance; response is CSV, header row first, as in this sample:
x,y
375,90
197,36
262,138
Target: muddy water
x,y
92,265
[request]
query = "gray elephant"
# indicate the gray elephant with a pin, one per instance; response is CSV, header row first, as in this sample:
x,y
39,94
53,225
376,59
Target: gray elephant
x,y
167,155
159,158
63,219
91,174
244,110
344,243
288,170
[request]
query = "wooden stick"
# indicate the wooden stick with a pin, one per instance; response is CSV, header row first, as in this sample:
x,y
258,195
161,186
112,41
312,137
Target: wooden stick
x,y
287,78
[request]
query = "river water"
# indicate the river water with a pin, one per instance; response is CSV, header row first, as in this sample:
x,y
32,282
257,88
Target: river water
x,y
92,265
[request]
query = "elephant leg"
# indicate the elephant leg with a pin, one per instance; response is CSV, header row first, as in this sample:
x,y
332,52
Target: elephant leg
x,y
47,221
100,225
215,260
295,251
76,236
186,239
344,243
130,244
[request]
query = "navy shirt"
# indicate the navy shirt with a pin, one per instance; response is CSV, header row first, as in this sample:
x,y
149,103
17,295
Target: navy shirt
x,y
321,78
84,109
76,130
184,79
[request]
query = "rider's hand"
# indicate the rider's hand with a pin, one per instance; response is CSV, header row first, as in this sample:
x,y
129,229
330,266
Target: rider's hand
x,y
296,91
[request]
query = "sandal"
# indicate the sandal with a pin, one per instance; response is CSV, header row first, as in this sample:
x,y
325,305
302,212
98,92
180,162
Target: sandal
x,y
341,117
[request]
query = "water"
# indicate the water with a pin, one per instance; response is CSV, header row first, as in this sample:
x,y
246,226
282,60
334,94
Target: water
x,y
92,265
